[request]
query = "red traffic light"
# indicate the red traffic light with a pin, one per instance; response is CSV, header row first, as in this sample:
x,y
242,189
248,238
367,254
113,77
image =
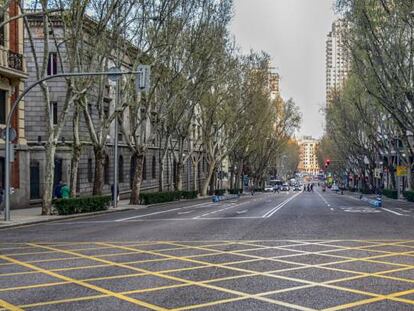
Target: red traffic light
x,y
328,161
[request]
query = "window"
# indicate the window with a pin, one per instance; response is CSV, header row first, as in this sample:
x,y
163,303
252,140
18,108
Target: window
x,y
106,171
121,169
2,32
54,112
52,64
90,170
3,98
144,169
153,168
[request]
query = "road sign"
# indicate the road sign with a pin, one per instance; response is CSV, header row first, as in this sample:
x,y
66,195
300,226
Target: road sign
x,y
402,170
142,82
116,74
12,134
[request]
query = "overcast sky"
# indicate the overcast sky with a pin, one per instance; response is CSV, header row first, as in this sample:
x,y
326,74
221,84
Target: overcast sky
x,y
294,33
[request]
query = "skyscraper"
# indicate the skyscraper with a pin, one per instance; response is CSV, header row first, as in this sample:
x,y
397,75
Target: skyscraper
x,y
337,59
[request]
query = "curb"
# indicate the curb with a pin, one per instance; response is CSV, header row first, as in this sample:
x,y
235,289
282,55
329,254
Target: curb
x,y
108,211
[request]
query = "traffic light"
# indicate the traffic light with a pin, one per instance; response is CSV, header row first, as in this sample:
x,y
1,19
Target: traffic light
x,y
328,162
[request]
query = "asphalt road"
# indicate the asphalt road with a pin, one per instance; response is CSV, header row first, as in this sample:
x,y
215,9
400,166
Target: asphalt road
x,y
285,251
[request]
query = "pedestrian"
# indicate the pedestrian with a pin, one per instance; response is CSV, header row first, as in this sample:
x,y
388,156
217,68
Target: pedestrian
x,y
65,191
311,187
57,193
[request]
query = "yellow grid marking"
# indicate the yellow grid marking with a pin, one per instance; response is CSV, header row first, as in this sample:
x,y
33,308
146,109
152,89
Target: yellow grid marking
x,y
84,284
9,306
379,254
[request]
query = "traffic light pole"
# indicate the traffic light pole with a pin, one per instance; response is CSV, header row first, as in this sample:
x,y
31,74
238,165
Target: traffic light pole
x,y
11,112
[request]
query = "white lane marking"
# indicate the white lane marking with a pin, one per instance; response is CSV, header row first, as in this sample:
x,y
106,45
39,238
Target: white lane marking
x,y
145,215
183,213
323,199
394,212
278,207
242,212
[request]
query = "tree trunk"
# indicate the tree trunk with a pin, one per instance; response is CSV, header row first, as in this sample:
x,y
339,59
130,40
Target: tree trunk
x,y
137,180
195,172
74,168
207,180
76,153
99,180
179,176
50,150
160,175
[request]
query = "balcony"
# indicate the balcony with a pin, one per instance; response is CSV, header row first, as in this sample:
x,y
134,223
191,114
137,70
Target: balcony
x,y
11,64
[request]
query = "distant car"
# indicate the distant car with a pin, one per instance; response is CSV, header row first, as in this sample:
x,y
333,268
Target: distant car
x,y
285,187
268,188
324,187
297,188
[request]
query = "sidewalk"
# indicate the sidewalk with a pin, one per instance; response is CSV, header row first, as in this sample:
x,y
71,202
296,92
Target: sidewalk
x,y
26,216
385,201
33,215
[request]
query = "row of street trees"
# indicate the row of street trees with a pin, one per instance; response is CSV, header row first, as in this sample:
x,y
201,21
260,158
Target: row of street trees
x,y
370,122
205,100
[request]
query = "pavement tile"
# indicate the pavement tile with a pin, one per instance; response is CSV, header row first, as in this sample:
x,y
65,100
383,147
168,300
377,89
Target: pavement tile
x,y
377,285
256,284
70,263
311,248
317,297
100,304
206,274
393,248
167,264
182,296
132,257
350,243
12,268
263,265
246,304
399,259
43,294
96,272
133,283
26,280
187,252
269,252
311,259
385,305
364,266
355,253
221,258
315,274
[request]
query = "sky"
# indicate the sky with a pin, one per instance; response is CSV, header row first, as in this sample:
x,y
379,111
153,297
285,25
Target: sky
x,y
294,33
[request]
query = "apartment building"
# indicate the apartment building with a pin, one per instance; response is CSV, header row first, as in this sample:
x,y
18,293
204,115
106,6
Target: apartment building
x,y
12,77
308,161
337,59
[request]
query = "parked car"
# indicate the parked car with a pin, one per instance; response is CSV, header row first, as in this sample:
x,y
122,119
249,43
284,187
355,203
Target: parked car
x,y
285,187
268,188
297,188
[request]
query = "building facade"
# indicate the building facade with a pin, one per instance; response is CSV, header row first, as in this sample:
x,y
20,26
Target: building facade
x,y
36,134
337,59
12,77
308,160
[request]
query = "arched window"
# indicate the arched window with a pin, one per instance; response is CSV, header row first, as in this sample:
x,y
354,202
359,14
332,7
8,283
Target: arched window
x,y
90,170
121,169
153,168
107,174
144,169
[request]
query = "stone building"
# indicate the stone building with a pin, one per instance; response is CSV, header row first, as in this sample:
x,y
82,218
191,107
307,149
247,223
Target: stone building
x,y
12,76
308,159
36,133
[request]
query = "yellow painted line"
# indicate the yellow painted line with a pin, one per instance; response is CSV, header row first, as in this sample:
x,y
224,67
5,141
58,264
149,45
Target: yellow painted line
x,y
9,306
354,304
85,284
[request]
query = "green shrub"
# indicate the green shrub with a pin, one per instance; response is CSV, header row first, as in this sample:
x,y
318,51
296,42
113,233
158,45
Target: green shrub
x,y
81,205
162,197
393,194
409,195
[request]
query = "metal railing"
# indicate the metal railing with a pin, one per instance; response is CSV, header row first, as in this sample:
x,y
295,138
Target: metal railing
x,y
10,59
